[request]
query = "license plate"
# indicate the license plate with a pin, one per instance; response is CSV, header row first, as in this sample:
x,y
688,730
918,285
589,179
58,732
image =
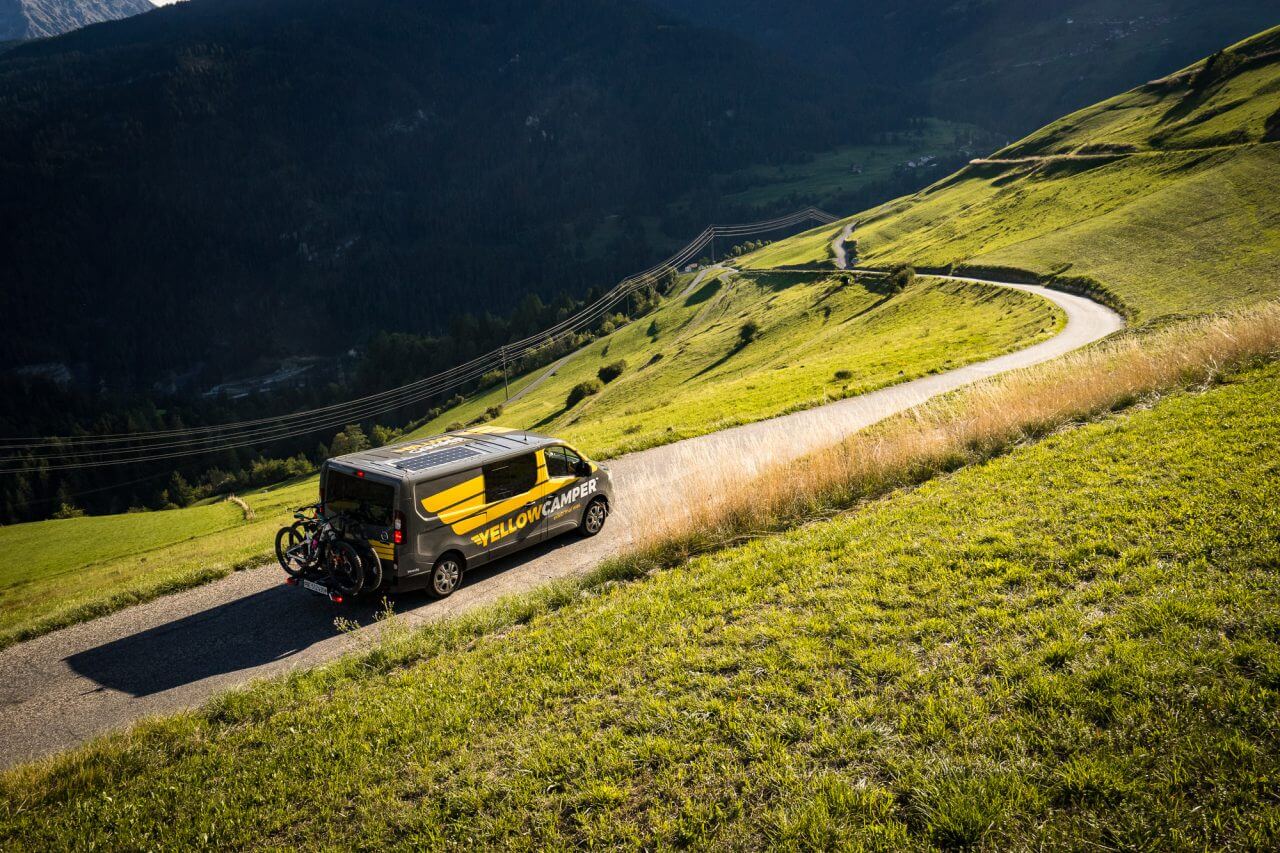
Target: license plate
x,y
315,587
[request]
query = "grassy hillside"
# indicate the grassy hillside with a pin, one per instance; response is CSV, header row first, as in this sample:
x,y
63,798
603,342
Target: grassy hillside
x,y
686,375
1075,644
819,338
67,570
1041,651
1164,195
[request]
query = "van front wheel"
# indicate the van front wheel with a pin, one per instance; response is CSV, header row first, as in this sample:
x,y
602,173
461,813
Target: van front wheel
x,y
593,517
446,575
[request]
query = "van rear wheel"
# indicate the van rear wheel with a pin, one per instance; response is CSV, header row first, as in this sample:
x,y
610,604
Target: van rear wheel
x,y
446,576
593,517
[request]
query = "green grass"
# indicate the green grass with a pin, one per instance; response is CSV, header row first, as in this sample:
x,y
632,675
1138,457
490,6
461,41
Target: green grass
x,y
808,249
1072,645
1165,233
55,573
58,572
1227,108
811,328
1187,222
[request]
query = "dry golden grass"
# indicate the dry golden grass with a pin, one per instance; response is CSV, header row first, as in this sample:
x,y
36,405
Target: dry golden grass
x,y
723,504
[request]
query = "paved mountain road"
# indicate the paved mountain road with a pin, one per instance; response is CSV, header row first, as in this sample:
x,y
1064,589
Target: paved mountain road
x,y
176,652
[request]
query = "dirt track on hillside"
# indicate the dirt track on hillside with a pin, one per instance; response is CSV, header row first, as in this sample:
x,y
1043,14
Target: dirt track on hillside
x,y
176,652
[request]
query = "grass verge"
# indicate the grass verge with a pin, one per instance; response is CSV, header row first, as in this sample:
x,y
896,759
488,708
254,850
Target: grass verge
x,y
957,430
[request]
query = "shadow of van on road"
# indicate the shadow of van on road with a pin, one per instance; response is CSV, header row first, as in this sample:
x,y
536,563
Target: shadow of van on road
x,y
266,626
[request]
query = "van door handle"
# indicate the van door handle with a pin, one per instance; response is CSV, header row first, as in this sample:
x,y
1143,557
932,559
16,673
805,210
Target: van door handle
x,y
529,504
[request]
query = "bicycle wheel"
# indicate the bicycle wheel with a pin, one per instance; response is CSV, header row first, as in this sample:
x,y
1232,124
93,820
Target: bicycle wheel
x,y
346,575
291,550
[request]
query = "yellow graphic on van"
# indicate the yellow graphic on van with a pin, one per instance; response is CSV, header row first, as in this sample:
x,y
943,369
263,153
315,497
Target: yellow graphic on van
x,y
533,514
461,506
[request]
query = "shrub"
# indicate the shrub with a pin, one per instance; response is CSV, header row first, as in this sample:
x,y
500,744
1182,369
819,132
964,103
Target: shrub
x,y
263,472
900,278
383,436
350,440
489,414
844,374
749,331
67,510
581,391
610,372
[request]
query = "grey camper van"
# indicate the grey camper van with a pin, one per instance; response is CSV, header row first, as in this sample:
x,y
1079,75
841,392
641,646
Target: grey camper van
x,y
432,508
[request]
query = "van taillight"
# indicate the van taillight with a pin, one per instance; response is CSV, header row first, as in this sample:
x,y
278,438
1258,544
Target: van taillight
x,y
397,535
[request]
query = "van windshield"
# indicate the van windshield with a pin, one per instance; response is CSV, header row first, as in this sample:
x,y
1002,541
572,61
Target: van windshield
x,y
366,501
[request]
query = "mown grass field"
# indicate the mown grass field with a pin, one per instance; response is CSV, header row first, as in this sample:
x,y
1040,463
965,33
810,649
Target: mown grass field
x,y
687,372
1184,217
57,572
1075,644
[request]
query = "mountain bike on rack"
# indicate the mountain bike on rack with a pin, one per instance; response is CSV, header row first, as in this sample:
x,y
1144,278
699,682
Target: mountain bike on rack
x,y
314,553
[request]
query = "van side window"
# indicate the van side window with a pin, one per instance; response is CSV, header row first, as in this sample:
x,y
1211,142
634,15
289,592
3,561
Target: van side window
x,y
561,461
557,464
510,477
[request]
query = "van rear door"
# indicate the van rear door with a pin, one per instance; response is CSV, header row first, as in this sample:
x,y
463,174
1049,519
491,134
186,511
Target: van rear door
x,y
370,503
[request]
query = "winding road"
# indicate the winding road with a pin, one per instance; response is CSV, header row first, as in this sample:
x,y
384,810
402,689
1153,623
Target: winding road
x,y
178,651
838,250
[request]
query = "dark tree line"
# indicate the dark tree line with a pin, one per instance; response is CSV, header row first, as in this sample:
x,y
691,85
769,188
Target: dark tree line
x,y
215,186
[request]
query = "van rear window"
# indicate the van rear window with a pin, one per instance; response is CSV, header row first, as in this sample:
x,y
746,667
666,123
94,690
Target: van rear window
x,y
366,500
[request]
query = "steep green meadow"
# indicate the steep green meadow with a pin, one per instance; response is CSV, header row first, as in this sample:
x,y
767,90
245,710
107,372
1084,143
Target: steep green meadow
x,y
686,374
1039,651
1164,196
821,337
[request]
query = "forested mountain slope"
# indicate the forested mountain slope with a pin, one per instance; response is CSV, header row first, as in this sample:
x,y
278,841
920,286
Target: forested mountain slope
x,y
1008,64
225,178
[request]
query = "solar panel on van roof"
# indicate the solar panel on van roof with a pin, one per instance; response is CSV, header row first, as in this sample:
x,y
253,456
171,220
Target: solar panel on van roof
x,y
431,460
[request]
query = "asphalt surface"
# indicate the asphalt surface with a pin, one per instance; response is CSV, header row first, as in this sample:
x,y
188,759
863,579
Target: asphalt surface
x,y
176,652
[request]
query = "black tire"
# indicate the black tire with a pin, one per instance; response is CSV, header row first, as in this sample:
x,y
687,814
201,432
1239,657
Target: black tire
x,y
593,517
372,565
345,573
446,575
287,539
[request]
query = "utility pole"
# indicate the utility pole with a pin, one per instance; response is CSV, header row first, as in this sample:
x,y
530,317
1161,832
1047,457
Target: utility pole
x,y
506,392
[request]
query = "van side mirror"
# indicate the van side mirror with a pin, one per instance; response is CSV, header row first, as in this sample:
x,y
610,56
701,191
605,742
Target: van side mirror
x,y
581,468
